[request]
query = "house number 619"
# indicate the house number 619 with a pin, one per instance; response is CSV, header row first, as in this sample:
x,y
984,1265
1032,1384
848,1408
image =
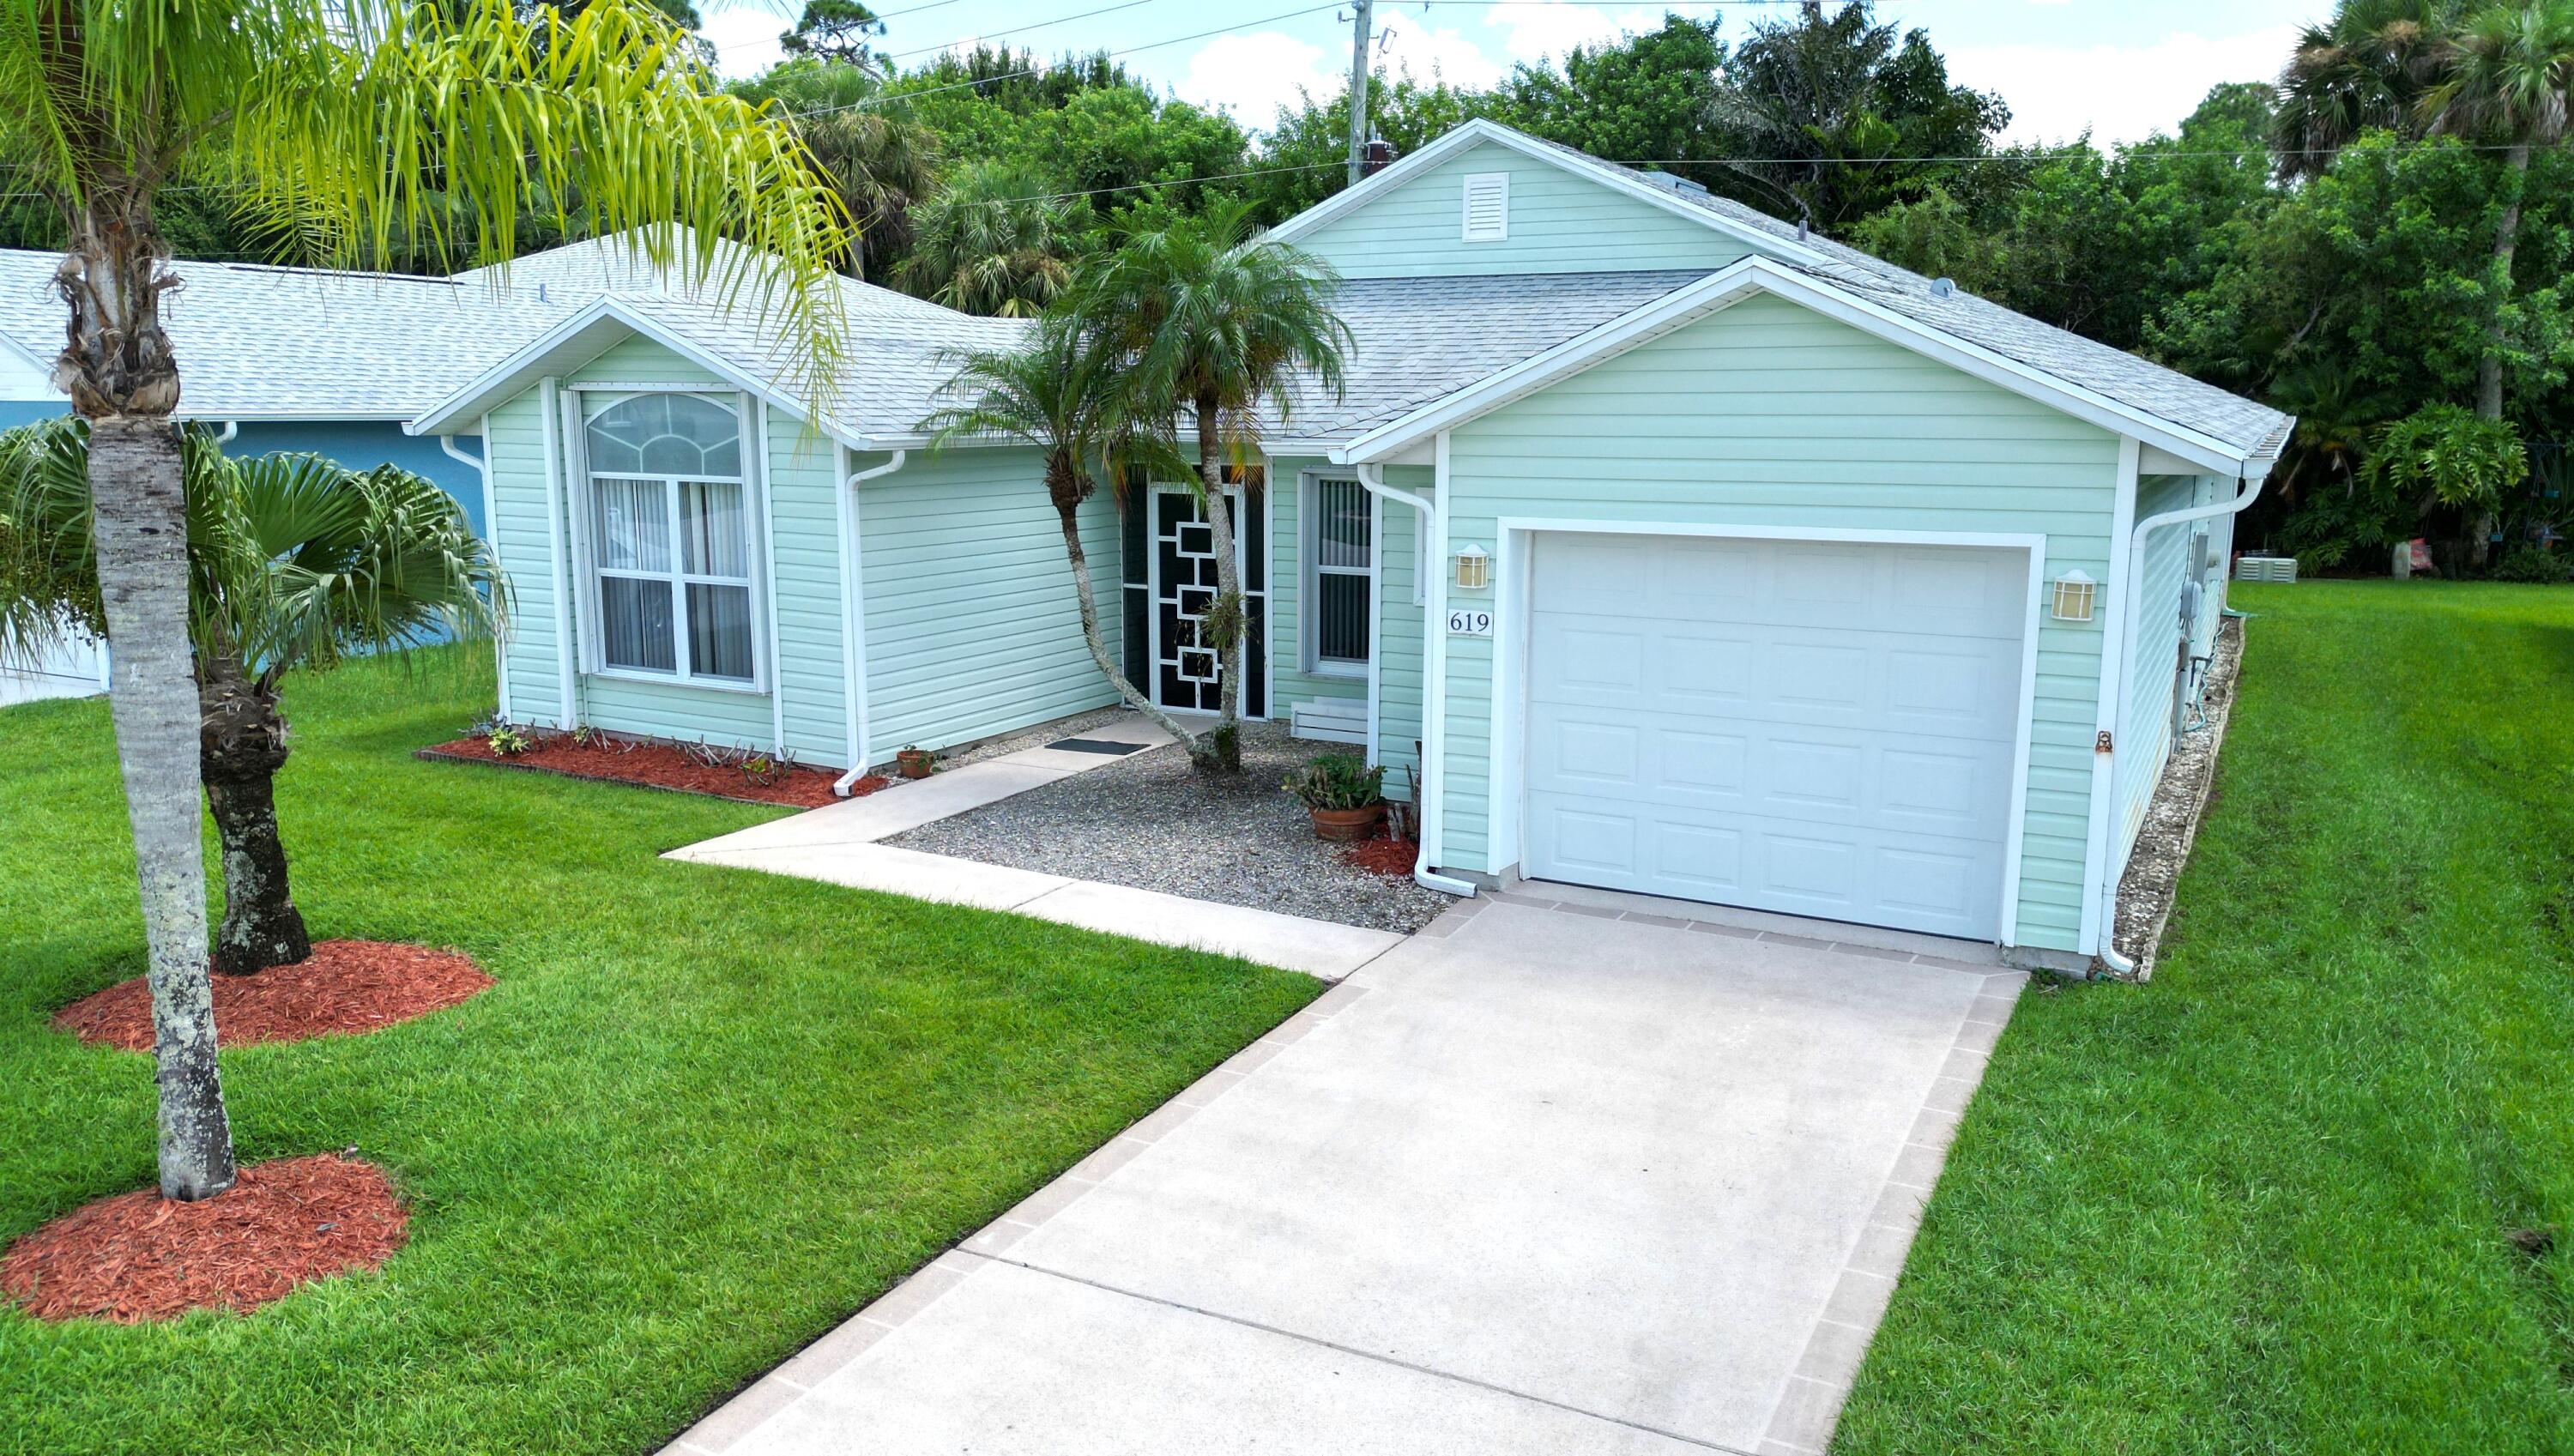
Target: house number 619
x,y
1470,624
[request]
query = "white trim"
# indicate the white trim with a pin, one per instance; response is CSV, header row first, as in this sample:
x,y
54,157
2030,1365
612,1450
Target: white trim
x,y
1741,280
1432,811
1309,572
2090,938
756,461
1376,625
509,377
491,543
1513,599
1579,164
549,404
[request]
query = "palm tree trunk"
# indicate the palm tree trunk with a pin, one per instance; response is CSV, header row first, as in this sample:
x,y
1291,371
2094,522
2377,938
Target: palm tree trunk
x,y
117,367
241,746
1222,751
1135,697
2489,369
141,531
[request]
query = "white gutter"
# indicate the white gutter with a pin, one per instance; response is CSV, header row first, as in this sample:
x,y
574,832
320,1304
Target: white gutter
x,y
2135,571
1434,668
491,543
567,672
854,622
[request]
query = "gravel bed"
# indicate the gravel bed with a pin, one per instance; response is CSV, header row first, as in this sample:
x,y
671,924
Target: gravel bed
x,y
1152,821
2171,818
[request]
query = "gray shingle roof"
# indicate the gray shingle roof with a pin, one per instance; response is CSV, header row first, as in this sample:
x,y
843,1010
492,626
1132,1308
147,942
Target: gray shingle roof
x,y
2141,384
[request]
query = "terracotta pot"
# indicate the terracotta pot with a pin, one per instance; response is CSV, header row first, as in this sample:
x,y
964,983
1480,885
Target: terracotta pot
x,y
1341,825
914,764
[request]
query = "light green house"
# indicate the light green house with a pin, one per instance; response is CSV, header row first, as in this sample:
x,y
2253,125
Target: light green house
x,y
1664,546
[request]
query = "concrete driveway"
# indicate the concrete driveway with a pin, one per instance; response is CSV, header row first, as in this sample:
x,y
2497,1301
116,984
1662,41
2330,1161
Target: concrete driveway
x,y
1547,1178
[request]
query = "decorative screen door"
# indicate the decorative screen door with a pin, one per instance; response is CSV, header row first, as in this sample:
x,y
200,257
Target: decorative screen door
x,y
1185,675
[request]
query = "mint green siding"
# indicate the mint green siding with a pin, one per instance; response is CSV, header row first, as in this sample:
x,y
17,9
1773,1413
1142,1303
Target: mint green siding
x,y
971,628
514,436
1398,618
1559,223
805,472
1768,415
1291,680
2153,675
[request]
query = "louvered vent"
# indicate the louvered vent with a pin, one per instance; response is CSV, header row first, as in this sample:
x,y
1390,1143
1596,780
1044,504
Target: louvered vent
x,y
1488,207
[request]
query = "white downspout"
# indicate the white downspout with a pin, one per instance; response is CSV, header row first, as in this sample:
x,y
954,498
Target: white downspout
x,y
2110,868
231,429
557,490
854,622
768,574
1434,673
491,543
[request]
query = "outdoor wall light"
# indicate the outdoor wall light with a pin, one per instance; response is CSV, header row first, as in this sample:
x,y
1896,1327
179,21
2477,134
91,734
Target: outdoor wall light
x,y
2074,596
1474,569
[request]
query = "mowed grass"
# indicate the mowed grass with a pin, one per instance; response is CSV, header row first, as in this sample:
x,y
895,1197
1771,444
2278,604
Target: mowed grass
x,y
2263,1204
703,1115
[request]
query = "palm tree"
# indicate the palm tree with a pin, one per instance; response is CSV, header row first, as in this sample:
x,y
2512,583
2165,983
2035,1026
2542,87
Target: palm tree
x,y
1193,315
1060,395
350,120
989,241
883,162
2363,70
294,562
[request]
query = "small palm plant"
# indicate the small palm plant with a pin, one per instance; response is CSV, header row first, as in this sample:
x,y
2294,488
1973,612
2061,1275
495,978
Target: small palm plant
x,y
294,562
1201,316
1058,393
989,241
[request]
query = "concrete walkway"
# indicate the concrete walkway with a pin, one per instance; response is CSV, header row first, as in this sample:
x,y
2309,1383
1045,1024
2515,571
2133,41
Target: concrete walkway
x,y
841,843
1554,1176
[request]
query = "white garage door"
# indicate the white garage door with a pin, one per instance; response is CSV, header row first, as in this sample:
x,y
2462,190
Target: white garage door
x,y
1817,729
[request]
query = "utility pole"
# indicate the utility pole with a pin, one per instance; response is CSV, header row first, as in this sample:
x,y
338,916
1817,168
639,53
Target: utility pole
x,y
1362,35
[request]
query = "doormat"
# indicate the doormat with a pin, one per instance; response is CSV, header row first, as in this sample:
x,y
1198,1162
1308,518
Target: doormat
x,y
1097,746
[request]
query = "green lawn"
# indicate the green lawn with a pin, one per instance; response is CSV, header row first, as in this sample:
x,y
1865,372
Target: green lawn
x,y
2261,1205
705,1114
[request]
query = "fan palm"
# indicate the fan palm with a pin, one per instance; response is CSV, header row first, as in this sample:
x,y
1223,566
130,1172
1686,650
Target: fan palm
x,y
989,241
294,562
1196,316
1060,395
349,122
2363,70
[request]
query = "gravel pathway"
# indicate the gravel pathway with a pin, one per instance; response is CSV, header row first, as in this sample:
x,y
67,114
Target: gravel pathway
x,y
1151,823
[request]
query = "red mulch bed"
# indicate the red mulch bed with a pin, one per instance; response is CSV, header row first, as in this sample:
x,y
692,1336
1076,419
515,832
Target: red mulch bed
x,y
655,766
1391,857
346,987
138,1256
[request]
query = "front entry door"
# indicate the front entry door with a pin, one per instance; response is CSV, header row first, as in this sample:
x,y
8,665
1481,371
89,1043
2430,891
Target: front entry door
x,y
1183,583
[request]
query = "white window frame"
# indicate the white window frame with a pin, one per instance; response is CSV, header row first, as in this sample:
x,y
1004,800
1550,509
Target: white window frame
x,y
1500,232
577,413
1310,571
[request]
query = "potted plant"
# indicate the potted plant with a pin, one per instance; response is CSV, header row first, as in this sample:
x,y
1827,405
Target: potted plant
x,y
915,762
1342,794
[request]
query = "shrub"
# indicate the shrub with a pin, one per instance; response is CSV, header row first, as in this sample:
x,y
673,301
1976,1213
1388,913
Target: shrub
x,y
2533,564
1338,781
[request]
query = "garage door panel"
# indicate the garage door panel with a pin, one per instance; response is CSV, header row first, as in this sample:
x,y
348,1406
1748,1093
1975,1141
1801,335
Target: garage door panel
x,y
1828,729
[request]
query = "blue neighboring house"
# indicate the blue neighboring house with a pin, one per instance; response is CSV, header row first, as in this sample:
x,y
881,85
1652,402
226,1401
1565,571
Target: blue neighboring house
x,y
286,358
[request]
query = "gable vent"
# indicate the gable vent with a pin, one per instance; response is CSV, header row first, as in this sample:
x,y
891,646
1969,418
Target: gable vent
x,y
1488,207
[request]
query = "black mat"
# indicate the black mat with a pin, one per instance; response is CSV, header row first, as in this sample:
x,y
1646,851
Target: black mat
x,y
1097,746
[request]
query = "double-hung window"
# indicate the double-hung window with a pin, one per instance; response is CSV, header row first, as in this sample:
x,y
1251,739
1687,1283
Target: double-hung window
x,y
671,539
1340,574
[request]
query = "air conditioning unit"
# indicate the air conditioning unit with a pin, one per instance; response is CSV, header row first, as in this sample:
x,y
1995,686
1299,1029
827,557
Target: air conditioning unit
x,y
2266,569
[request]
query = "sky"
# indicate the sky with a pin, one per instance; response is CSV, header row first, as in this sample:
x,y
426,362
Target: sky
x,y
2119,69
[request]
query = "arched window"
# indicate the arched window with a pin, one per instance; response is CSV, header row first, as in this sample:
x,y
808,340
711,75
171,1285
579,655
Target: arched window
x,y
670,538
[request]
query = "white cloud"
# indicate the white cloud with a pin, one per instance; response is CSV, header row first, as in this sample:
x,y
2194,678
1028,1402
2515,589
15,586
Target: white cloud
x,y
1423,53
2121,93
1538,32
745,37
1254,75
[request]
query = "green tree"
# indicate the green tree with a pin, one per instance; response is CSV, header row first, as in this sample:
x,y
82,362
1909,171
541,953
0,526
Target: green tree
x,y
837,31
1642,97
338,118
1061,394
294,562
2363,70
989,241
1199,316
1307,154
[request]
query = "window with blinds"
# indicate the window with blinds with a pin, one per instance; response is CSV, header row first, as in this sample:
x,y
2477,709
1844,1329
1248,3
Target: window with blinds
x,y
1488,207
1340,574
670,539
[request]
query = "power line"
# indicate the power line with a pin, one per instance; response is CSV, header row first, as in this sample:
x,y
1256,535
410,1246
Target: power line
x,y
1015,30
